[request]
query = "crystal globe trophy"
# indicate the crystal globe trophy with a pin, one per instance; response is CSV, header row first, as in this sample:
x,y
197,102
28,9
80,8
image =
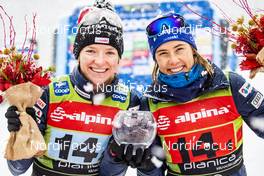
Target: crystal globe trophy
x,y
138,128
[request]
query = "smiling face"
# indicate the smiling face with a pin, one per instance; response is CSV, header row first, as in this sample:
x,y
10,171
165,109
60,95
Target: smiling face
x,y
98,63
174,57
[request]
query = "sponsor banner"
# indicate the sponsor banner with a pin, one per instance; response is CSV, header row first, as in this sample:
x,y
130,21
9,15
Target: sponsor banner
x,y
223,166
203,114
135,17
82,117
60,167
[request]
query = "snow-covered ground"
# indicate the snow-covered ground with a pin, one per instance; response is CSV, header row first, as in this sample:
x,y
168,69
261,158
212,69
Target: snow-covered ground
x,y
253,145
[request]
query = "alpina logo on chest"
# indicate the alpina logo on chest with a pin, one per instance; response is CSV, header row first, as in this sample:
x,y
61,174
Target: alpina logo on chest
x,y
59,114
204,113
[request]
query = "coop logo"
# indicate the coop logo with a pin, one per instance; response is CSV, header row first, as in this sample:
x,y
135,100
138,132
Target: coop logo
x,y
163,122
193,117
119,97
61,88
59,114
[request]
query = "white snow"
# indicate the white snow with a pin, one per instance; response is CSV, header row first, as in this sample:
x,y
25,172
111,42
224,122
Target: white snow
x,y
258,123
158,163
98,98
88,87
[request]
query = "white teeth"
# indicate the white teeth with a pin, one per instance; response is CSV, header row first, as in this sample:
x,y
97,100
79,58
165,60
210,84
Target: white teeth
x,y
175,70
98,70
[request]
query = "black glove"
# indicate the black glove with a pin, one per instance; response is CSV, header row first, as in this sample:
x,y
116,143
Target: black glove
x,y
148,159
13,121
142,159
